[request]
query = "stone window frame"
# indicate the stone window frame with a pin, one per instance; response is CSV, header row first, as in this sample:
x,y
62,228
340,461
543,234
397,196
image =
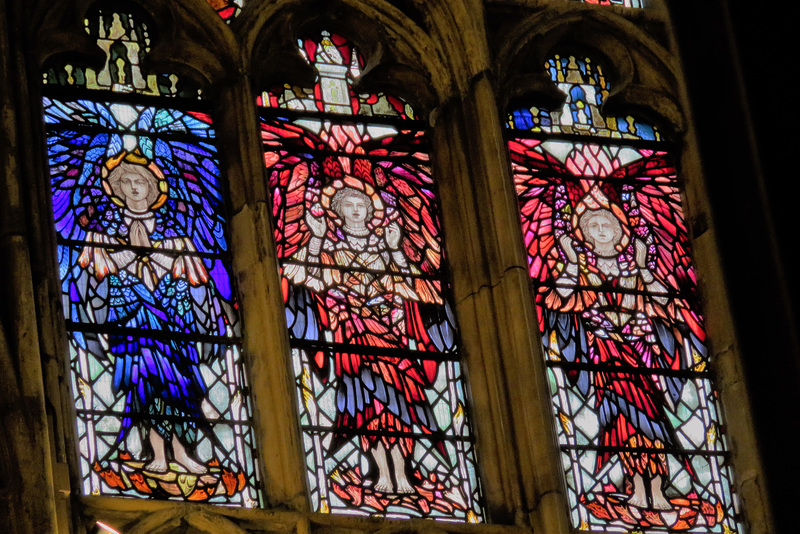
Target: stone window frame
x,y
417,51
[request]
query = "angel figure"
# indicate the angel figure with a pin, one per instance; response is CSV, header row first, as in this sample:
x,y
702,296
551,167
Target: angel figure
x,y
160,293
613,312
355,263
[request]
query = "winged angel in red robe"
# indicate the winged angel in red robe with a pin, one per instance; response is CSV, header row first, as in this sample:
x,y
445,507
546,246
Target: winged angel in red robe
x,y
615,300
361,258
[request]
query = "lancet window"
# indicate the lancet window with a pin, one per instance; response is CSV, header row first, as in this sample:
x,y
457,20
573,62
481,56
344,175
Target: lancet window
x,y
156,368
380,384
642,442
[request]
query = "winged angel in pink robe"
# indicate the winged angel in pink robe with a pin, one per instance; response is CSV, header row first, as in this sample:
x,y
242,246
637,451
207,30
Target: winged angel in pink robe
x,y
614,291
361,265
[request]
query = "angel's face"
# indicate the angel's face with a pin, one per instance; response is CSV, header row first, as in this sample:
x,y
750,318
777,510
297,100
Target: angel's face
x,y
603,229
353,208
134,186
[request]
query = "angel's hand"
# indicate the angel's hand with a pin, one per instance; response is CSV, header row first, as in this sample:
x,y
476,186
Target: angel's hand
x,y
393,234
315,224
568,248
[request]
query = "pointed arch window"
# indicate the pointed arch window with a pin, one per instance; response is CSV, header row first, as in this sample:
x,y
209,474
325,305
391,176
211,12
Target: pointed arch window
x,y
149,301
375,348
642,442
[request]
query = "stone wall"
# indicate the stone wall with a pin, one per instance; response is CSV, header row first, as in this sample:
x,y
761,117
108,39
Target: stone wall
x,y
459,62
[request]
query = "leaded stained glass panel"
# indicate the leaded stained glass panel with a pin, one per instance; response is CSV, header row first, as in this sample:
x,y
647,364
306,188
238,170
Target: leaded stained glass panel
x,y
226,9
154,334
125,38
621,3
586,86
638,423
380,386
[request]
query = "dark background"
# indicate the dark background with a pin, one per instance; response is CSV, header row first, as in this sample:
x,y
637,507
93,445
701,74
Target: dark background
x,y
742,64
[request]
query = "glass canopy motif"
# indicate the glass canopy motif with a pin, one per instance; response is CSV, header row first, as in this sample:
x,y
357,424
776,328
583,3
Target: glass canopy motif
x,y
226,9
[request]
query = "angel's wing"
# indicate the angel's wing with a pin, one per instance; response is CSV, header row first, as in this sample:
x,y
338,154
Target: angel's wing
x,y
290,156
545,201
80,205
654,206
652,202
408,191
194,211
195,203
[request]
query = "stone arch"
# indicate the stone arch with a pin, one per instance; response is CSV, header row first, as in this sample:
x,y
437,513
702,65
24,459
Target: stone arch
x,y
189,39
402,57
643,74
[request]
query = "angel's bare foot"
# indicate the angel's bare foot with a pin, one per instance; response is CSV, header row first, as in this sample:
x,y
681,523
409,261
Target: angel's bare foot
x,y
399,462
404,486
159,462
660,502
158,465
639,496
183,458
384,483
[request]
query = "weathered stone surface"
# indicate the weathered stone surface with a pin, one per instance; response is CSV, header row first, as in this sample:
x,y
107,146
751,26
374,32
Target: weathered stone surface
x,y
459,62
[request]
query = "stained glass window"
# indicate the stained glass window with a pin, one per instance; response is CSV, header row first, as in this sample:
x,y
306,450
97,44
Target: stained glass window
x,y
642,442
621,3
125,38
227,9
380,382
154,332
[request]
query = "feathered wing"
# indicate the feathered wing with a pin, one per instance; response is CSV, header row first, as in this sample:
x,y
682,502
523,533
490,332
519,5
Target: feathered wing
x,y
294,178
408,191
546,204
195,216
536,178
78,198
654,209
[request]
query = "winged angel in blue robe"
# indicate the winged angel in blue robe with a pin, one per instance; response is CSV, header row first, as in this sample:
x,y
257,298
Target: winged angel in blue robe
x,y
140,275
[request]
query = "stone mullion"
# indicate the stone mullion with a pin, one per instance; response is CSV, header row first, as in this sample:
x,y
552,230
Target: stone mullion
x,y
517,446
266,344
464,251
27,495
